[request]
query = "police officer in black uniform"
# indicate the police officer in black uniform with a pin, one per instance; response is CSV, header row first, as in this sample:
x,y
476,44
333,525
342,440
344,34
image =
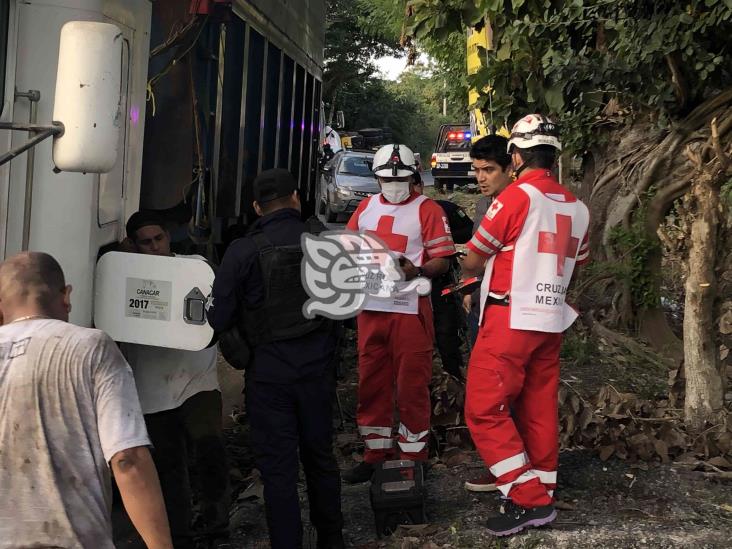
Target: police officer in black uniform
x,y
449,317
290,376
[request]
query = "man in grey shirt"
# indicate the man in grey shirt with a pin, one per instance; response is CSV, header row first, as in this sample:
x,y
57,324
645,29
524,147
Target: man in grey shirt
x,y
68,413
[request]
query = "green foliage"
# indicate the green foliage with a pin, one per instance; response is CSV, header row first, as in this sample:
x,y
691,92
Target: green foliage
x,y
633,249
360,31
725,193
578,349
450,56
386,18
725,196
411,107
350,48
569,58
382,17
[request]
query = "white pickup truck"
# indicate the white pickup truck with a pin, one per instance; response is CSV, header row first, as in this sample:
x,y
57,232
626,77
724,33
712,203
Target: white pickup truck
x,y
451,163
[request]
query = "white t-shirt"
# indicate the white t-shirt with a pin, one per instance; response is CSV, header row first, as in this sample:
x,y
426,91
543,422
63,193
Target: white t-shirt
x,y
166,378
67,404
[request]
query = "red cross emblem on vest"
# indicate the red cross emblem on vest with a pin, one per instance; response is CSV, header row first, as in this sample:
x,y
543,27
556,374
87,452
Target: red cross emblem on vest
x,y
561,243
385,231
494,208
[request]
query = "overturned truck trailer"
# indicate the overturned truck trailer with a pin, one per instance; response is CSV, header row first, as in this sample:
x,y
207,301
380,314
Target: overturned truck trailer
x,y
190,99
259,69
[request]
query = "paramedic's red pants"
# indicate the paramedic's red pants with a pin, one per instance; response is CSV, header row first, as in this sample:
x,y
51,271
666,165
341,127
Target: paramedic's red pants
x,y
511,407
395,364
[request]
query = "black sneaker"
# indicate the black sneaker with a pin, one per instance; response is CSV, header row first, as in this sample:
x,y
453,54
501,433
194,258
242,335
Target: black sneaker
x,y
359,474
515,518
331,541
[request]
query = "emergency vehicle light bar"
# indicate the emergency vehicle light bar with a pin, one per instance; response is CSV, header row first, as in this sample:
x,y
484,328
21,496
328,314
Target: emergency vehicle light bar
x,y
459,136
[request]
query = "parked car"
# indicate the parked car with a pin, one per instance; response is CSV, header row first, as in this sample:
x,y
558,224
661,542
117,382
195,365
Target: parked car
x,y
344,182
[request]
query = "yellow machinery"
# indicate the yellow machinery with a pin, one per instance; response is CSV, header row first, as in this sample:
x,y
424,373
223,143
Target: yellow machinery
x,y
478,39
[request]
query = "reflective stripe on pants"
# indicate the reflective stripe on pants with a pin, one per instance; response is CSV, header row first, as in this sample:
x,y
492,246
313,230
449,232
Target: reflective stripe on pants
x,y
391,371
511,406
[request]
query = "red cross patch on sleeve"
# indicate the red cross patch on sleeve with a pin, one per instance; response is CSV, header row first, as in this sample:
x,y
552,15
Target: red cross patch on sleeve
x,y
494,208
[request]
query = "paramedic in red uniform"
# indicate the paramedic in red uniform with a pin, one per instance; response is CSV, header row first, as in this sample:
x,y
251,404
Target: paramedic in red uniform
x,y
395,336
532,236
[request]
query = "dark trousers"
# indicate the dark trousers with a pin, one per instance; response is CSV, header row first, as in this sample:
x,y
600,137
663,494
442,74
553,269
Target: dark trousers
x,y
192,428
473,318
449,320
285,418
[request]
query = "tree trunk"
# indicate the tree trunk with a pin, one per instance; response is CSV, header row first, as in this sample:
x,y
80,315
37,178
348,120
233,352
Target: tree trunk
x,y
654,328
642,168
332,107
704,385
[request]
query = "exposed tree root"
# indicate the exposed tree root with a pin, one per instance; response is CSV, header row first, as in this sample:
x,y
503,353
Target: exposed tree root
x,y
652,169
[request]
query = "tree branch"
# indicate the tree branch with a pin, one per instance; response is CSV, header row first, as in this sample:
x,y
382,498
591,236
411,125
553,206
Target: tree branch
x,y
721,156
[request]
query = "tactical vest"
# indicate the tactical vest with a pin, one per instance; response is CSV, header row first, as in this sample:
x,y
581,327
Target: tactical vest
x,y
280,316
461,226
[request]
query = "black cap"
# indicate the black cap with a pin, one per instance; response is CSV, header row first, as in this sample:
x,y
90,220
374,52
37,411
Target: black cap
x,y
273,184
141,219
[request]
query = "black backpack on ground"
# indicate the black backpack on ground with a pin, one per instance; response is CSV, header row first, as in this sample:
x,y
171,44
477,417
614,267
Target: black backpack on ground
x,y
397,495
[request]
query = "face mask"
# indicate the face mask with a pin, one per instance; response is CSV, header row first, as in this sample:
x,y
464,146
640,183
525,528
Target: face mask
x,y
395,191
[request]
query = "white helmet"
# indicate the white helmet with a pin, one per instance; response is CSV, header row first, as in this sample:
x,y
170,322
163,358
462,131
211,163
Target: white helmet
x,y
533,130
394,161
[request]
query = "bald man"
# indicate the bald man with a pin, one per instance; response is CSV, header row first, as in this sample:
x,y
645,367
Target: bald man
x,y
69,414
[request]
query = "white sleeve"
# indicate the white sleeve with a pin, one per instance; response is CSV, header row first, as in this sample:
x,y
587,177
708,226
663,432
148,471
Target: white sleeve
x,y
120,423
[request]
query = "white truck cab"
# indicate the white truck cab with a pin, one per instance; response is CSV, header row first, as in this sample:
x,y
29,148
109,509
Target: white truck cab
x,y
73,212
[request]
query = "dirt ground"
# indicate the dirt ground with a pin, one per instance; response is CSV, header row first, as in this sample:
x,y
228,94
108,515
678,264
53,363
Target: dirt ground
x,y
602,504
611,504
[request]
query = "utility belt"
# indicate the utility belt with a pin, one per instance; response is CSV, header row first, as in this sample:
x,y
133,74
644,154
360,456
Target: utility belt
x,y
238,349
